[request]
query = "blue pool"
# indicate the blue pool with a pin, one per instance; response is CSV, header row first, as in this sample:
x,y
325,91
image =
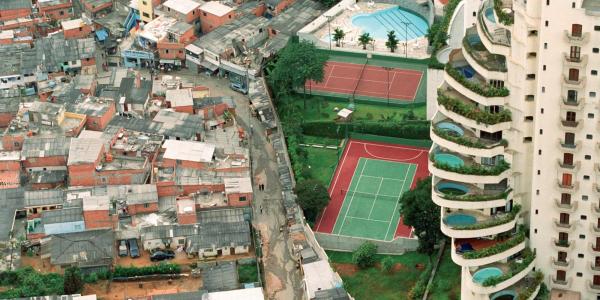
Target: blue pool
x,y
485,273
459,220
489,14
378,24
467,71
449,159
452,188
450,128
504,295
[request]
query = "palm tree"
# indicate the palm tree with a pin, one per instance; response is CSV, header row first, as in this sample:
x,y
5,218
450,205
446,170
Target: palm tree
x,y
338,36
364,39
392,42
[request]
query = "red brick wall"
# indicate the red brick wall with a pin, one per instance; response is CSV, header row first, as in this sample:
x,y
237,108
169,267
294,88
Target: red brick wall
x,y
12,142
5,119
40,162
171,50
260,10
282,5
217,188
166,162
140,209
89,7
14,13
10,165
234,199
185,109
97,219
88,62
187,218
78,33
83,174
167,188
54,11
100,123
209,22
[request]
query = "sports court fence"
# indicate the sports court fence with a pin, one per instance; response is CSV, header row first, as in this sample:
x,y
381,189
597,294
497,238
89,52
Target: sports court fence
x,y
391,140
349,244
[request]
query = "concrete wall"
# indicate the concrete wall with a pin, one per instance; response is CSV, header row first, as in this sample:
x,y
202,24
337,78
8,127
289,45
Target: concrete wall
x,y
349,244
434,79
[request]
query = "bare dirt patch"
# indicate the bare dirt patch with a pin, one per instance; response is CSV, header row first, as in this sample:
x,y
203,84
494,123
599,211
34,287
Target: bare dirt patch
x,y
124,290
39,264
273,284
345,269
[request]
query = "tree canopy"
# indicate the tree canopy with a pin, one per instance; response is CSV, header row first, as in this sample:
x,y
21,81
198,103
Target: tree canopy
x,y
27,282
422,214
73,280
298,62
312,197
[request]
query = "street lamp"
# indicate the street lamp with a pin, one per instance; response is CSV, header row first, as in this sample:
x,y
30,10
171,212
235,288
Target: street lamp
x,y
329,29
406,37
388,84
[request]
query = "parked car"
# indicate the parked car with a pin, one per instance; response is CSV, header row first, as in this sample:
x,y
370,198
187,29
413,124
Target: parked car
x,y
123,248
134,251
162,255
238,87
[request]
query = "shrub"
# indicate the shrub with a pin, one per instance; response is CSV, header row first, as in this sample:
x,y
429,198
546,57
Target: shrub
x,y
483,90
472,169
471,197
497,248
538,278
364,255
90,278
387,264
369,116
417,291
162,268
472,111
504,18
73,280
325,115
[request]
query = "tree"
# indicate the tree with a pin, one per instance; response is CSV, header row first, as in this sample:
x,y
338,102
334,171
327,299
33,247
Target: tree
x,y
364,39
297,63
364,255
338,36
312,197
387,264
392,41
419,211
73,280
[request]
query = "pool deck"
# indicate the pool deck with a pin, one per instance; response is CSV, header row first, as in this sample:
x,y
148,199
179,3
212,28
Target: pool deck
x,y
417,48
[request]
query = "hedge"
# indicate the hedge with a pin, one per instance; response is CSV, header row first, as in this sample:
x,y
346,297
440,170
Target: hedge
x,y
418,130
472,197
418,290
472,111
485,90
472,169
163,268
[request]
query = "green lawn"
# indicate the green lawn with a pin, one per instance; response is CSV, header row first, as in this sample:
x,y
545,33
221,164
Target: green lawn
x,y
373,284
322,161
319,109
446,284
248,273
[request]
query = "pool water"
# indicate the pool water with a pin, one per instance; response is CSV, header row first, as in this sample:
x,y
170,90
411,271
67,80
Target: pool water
x,y
485,273
504,295
450,128
449,159
489,14
459,220
451,188
379,23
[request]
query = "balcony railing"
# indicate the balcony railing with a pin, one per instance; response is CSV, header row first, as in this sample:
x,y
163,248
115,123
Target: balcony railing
x,y
562,243
472,111
515,267
571,206
577,40
594,267
569,186
566,123
489,61
570,104
497,248
493,222
574,82
484,90
468,141
562,263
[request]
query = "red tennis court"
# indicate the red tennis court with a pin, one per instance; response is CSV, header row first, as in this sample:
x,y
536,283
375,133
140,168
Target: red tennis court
x,y
341,181
345,78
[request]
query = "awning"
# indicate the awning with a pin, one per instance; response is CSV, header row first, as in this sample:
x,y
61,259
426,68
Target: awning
x,y
101,34
170,61
209,65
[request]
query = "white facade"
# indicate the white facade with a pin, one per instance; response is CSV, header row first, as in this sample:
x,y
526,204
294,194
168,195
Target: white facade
x,y
543,125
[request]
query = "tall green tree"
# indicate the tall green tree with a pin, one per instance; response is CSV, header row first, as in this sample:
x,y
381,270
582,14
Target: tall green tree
x,y
73,280
365,39
419,211
297,63
312,197
392,41
338,36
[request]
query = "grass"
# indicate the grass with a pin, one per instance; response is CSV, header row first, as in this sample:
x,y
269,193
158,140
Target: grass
x,y
446,283
373,284
318,109
248,273
322,163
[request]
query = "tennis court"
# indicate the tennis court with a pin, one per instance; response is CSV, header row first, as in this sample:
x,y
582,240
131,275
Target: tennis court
x,y
370,207
366,186
368,80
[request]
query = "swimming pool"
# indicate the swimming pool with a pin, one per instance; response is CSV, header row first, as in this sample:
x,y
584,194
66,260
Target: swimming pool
x,y
450,128
378,24
452,188
489,14
504,295
449,159
485,273
459,219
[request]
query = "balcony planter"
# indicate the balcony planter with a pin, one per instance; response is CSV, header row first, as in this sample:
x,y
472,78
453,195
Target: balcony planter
x,y
472,170
486,91
467,142
493,222
475,198
471,111
503,17
515,268
532,290
498,248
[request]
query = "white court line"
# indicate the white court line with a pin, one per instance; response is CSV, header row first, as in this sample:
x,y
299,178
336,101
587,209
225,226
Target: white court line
x,y
397,202
385,178
331,72
392,159
378,68
390,146
374,220
375,200
392,82
351,198
382,95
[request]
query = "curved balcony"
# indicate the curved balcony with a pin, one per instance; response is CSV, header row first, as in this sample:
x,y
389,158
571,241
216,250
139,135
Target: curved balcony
x,y
528,286
568,167
453,166
489,65
451,105
564,227
565,207
460,195
567,188
594,229
593,287
482,252
472,224
512,272
497,39
573,84
595,250
595,209
572,104
575,62
570,126
569,147
563,245
456,138
577,40
562,264
595,269
560,284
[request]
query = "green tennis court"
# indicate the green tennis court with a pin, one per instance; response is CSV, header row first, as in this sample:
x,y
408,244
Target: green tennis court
x,y
370,208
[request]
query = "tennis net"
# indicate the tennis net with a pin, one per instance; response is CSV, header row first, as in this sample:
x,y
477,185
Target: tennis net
x,y
364,195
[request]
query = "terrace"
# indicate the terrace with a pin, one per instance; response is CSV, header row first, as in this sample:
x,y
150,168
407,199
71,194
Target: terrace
x,y
456,133
487,21
481,251
475,48
495,277
460,191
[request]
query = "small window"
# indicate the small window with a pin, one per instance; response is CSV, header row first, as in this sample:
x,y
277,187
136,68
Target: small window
x,y
587,157
535,230
595,50
545,45
146,205
583,217
542,111
547,2
474,14
537,192
544,68
586,177
536,211
546,23
539,151
541,131
580,255
530,76
528,118
594,72
589,136
584,197
579,274
242,198
590,116
597,28
539,172
592,94
204,14
543,89
230,16
527,139
582,236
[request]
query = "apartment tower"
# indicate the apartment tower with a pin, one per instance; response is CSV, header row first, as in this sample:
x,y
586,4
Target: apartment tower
x,y
516,153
